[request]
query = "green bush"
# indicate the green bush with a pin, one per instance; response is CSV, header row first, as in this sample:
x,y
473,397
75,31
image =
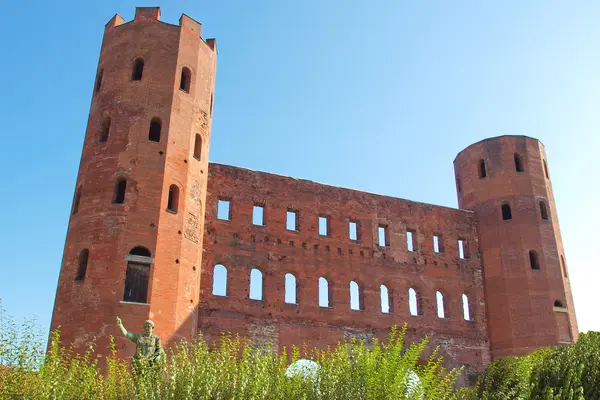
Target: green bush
x,y
232,370
569,373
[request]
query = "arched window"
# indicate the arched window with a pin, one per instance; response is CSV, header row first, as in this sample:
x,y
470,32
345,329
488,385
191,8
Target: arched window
x,y
173,200
256,284
413,302
82,263
219,280
543,210
99,80
186,79
119,196
546,169
323,292
440,304
138,70
386,299
104,130
140,251
76,200
154,131
355,300
137,275
563,265
466,310
534,260
519,163
482,172
290,289
559,304
198,147
506,212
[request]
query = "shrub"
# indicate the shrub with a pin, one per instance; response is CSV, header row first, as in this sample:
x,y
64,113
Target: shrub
x,y
232,370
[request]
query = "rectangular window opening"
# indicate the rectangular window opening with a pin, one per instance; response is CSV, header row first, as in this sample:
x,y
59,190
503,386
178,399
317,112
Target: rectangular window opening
x,y
258,215
323,226
223,210
437,244
353,230
463,251
382,233
411,245
291,222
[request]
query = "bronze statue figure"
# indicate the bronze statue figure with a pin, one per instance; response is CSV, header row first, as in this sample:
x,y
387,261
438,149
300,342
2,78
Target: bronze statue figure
x,y
147,345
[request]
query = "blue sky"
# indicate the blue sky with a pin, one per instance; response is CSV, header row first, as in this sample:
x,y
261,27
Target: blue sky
x,y
379,96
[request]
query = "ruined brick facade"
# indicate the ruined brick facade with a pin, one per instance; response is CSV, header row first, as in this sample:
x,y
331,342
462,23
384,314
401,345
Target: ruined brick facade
x,y
144,237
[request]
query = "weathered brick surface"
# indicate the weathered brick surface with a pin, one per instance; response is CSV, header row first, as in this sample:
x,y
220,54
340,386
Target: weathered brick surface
x,y
88,308
520,301
241,246
511,305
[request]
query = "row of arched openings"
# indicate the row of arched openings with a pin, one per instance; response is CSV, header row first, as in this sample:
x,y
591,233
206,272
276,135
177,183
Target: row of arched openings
x,y
137,72
519,166
154,130
137,275
121,190
324,294
507,211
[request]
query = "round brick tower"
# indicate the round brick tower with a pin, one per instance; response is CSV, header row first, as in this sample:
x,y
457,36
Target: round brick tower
x,y
134,241
506,182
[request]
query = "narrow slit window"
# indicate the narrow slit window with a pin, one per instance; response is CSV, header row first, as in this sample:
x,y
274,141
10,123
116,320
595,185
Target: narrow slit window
x,y
323,226
438,246
385,299
173,201
563,265
410,241
413,302
534,260
290,289
482,171
104,130
76,200
458,187
198,147
353,230
461,249
543,210
382,236
223,212
466,310
519,163
186,79
355,300
99,80
546,169
256,284
211,103
82,263
258,215
120,187
154,131
506,212
219,280
441,313
138,70
323,292
291,223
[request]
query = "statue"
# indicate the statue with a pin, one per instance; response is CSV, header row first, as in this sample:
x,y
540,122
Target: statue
x,y
147,345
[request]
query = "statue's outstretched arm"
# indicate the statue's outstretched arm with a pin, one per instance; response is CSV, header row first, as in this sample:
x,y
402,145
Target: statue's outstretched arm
x,y
128,335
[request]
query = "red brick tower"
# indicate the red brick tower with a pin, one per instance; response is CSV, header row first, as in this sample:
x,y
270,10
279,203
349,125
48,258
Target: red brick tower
x,y
134,242
505,181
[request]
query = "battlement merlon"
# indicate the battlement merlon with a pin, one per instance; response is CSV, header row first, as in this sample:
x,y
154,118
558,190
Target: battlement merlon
x,y
188,25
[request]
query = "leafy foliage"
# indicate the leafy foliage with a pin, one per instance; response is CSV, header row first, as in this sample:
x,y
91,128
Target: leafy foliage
x,y
232,370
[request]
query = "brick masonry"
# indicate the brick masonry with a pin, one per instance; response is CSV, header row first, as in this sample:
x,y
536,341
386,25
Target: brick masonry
x,y
512,307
